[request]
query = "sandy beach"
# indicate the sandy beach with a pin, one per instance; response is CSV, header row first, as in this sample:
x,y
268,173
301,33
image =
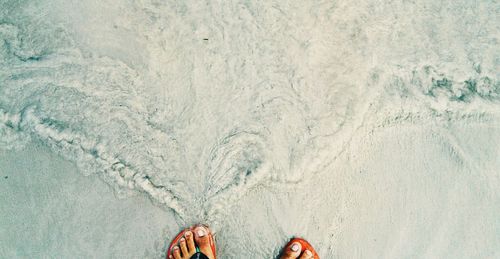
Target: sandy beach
x,y
370,128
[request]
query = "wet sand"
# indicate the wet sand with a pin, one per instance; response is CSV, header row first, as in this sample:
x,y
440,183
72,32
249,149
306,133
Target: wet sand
x,y
371,129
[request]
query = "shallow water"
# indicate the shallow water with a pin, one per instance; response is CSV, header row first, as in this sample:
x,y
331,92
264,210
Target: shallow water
x,y
367,128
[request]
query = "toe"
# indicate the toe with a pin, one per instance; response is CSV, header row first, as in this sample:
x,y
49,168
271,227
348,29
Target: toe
x,y
292,251
306,255
176,252
203,241
190,242
184,249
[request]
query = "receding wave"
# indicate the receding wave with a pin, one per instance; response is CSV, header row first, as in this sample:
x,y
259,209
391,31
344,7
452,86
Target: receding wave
x,y
233,117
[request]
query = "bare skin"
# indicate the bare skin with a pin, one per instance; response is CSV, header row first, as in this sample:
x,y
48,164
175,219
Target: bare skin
x,y
292,251
187,245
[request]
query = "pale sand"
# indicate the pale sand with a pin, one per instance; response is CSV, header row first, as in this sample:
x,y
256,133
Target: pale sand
x,y
371,129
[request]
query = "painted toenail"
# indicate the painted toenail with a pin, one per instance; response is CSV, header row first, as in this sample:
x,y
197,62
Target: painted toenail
x,y
295,247
201,232
309,252
187,234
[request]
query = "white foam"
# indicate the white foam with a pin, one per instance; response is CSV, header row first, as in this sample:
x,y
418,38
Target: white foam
x,y
198,105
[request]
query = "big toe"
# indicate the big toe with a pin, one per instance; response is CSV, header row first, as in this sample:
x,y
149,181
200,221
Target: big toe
x,y
292,251
203,241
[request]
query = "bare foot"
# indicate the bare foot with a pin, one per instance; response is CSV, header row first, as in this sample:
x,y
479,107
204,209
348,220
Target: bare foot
x,y
294,251
188,243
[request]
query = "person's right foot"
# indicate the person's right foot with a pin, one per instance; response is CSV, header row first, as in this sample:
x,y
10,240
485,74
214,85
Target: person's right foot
x,y
293,250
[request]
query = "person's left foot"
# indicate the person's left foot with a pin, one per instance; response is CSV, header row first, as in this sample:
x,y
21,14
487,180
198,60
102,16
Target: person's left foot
x,y
188,243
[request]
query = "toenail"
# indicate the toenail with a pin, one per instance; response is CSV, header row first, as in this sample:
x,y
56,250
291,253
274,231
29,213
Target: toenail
x,y
201,232
182,240
309,252
176,247
295,247
187,234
